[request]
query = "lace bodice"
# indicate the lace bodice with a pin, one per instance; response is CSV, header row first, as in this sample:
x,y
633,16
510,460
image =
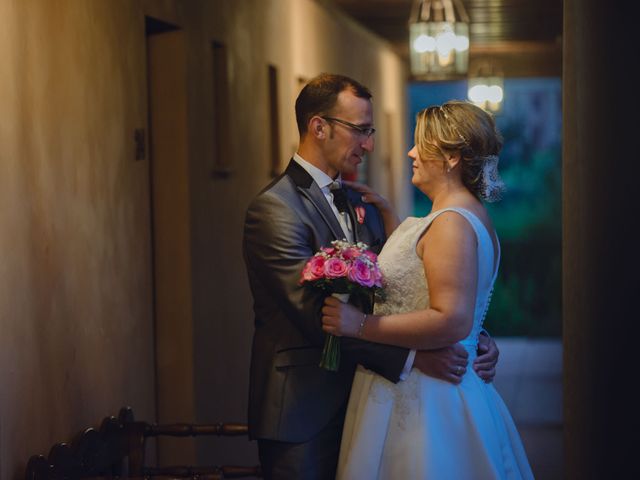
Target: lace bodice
x,y
406,284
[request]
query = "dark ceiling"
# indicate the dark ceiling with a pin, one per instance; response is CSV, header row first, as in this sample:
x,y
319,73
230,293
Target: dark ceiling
x,y
523,36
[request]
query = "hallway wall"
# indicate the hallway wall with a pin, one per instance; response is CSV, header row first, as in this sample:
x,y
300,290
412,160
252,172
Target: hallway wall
x,y
76,275
75,291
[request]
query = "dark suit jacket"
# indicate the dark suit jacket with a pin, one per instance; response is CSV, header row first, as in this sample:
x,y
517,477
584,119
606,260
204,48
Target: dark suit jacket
x,y
290,397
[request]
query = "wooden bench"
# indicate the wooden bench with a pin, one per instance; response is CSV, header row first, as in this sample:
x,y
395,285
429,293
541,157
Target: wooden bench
x,y
117,450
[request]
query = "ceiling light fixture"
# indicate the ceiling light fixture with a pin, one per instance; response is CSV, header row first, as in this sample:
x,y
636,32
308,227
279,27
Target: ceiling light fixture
x,y
439,39
486,87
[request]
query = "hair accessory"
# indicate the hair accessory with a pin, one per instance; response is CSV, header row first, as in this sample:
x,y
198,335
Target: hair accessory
x,y
452,125
491,184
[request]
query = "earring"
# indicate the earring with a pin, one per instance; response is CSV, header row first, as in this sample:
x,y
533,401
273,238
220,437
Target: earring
x,y
449,169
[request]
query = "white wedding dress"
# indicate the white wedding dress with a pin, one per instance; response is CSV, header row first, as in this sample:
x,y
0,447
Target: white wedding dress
x,y
422,427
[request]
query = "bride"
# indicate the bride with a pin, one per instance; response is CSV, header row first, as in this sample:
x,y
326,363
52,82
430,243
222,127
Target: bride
x,y
440,272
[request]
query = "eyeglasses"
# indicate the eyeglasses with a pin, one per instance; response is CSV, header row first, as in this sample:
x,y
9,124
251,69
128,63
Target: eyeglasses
x,y
366,131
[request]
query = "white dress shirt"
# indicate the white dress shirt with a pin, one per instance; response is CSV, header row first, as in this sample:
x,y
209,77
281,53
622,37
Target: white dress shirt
x,y
324,181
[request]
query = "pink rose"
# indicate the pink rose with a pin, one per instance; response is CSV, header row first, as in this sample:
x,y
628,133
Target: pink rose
x,y
329,250
351,253
314,269
361,273
335,268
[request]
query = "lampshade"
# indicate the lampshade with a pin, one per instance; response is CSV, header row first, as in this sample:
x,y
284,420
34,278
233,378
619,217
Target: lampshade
x,y
439,39
486,87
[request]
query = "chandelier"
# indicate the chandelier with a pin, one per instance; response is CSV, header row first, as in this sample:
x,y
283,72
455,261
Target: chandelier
x,y
439,39
486,86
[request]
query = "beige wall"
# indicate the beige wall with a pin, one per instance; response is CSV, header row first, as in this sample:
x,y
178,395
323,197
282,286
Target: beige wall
x,y
75,291
317,34
75,276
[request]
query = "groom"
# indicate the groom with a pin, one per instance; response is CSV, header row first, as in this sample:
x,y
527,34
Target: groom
x,y
296,408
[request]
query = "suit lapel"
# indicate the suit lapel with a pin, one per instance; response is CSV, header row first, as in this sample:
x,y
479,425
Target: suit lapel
x,y
356,230
361,233
310,189
370,231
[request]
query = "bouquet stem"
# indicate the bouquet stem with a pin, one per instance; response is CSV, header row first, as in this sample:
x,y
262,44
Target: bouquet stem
x,y
330,359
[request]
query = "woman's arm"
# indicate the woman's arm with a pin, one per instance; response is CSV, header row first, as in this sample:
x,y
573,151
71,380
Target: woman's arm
x,y
389,216
449,255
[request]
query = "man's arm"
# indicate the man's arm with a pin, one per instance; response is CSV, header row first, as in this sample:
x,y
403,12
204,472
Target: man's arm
x,y
277,245
450,363
276,248
386,360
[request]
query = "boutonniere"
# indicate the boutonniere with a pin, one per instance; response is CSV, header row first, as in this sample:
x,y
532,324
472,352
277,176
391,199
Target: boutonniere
x,y
360,213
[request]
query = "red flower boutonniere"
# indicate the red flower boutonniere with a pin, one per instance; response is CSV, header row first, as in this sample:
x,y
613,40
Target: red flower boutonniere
x,y
360,213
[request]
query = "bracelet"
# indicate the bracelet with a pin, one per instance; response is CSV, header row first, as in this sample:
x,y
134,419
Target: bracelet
x,y
364,319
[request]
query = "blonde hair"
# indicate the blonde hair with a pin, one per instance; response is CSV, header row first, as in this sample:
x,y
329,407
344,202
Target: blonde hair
x,y
457,126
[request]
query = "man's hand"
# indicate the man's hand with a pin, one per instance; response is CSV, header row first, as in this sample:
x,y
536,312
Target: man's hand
x,y
448,363
485,363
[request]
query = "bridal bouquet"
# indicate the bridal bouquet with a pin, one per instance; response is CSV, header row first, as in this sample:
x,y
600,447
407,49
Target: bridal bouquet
x,y
343,269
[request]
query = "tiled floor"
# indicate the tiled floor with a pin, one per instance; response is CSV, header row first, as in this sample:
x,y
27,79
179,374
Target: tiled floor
x,y
529,379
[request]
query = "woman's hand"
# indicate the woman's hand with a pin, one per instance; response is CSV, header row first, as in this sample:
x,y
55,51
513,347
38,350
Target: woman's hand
x,y
341,318
369,195
389,216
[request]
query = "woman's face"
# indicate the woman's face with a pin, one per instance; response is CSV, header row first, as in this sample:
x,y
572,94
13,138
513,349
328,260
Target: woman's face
x,y
426,171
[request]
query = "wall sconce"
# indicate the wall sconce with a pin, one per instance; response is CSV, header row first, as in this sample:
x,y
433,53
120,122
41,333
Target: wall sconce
x,y
486,87
439,39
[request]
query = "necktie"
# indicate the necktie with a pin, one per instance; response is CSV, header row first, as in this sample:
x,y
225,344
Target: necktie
x,y
342,204
340,198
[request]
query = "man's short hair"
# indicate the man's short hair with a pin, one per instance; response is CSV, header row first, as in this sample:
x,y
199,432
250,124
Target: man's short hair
x,y
319,96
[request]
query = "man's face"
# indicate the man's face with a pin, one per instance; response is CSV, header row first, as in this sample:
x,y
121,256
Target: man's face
x,y
345,145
